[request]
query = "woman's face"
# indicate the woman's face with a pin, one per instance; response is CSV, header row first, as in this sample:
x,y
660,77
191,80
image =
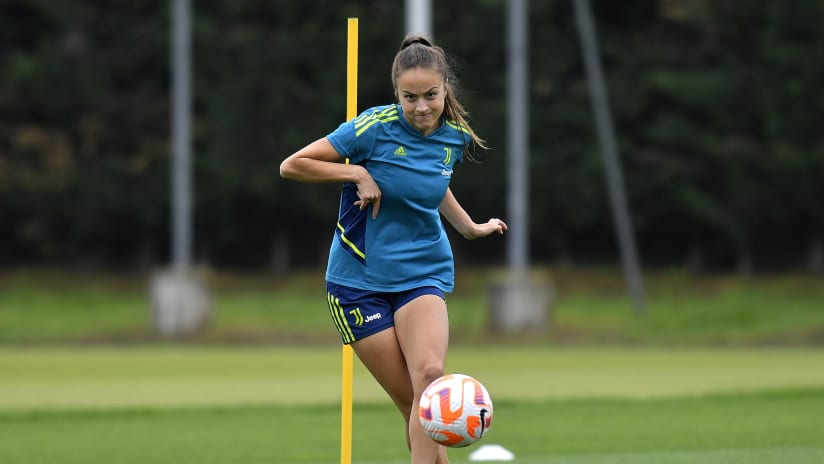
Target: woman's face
x,y
421,92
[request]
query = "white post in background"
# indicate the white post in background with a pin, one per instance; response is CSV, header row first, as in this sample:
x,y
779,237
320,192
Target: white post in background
x,y
517,197
419,17
520,300
181,130
180,303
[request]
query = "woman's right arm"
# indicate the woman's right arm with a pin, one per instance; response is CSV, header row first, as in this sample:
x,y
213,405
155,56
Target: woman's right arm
x,y
320,162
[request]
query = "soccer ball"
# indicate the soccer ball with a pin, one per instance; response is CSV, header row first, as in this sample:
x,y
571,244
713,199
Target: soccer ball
x,y
455,410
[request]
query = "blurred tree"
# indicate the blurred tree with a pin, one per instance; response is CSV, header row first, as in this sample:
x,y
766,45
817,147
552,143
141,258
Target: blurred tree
x,y
714,103
84,112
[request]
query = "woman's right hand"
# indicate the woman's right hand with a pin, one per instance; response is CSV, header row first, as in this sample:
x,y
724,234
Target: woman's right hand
x,y
368,193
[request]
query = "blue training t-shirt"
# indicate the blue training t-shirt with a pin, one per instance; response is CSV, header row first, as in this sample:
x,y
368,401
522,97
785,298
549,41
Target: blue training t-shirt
x,y
406,245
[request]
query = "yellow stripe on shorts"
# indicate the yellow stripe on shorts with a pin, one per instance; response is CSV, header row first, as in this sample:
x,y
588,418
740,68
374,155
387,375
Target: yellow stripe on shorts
x,y
339,318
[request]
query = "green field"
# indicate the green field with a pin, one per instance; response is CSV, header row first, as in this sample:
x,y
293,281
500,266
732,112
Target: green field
x,y
106,377
720,370
169,404
589,306
777,428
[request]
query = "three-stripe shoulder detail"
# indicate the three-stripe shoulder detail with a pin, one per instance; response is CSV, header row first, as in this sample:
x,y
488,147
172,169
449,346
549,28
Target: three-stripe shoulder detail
x,y
458,127
365,121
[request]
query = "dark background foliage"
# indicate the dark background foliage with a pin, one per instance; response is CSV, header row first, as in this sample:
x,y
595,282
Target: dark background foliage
x,y
716,106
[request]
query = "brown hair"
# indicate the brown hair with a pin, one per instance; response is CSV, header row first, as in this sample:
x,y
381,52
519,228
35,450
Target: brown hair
x,y
419,52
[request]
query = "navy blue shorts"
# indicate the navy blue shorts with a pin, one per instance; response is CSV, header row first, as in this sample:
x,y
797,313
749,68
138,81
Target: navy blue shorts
x,y
359,313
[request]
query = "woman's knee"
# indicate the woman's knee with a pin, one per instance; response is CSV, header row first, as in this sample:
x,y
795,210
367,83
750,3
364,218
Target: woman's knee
x,y
428,374
404,402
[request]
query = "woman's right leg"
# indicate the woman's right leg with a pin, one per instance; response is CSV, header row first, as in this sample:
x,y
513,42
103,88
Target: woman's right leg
x,y
382,356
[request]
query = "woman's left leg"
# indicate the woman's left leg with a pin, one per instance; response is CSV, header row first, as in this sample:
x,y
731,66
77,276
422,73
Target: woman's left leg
x,y
422,329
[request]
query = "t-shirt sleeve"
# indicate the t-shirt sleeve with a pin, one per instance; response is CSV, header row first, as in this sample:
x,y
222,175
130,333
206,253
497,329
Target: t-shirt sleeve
x,y
352,142
465,142
344,140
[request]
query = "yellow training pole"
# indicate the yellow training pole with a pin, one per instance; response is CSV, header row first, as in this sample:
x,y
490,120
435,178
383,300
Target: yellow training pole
x,y
346,360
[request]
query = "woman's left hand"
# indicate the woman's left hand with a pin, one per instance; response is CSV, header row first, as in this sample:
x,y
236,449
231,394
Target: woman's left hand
x,y
494,225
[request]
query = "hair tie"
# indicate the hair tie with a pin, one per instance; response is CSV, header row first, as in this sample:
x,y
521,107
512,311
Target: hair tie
x,y
417,40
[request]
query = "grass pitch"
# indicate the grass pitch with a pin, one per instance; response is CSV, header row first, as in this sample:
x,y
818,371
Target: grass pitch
x,y
83,379
771,428
589,306
169,404
174,376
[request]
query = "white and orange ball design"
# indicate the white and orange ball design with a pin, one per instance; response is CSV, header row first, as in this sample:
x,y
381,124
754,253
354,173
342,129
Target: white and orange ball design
x,y
455,410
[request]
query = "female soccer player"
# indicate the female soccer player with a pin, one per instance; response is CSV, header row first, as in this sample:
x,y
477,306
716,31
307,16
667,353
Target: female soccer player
x,y
390,262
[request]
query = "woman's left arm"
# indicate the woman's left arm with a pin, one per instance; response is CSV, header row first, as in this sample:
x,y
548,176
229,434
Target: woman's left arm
x,y
460,220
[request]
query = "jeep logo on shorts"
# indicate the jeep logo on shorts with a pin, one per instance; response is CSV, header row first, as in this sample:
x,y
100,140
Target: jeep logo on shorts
x,y
359,320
